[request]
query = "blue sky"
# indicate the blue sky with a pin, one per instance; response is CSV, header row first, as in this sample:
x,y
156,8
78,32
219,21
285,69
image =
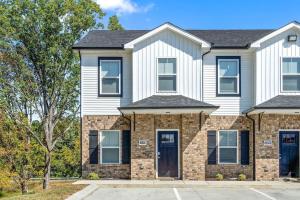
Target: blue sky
x,y
203,14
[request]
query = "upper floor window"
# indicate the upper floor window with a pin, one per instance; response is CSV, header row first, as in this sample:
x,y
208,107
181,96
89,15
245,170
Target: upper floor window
x,y
228,75
290,74
228,146
166,74
110,71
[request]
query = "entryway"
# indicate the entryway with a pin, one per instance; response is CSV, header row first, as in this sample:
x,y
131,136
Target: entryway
x,y
167,153
289,153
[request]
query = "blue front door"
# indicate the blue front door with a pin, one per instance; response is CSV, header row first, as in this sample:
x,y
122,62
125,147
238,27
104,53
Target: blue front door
x,y
167,153
289,153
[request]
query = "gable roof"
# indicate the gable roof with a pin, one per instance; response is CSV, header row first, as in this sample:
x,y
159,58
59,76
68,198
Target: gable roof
x,y
274,33
104,39
168,26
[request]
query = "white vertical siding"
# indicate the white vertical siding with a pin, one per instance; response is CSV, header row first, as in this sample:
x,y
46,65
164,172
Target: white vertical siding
x,y
172,45
268,65
91,104
229,105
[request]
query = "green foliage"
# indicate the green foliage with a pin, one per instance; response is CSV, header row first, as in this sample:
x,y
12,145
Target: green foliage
x,y
93,176
66,156
219,177
114,24
39,72
242,177
15,154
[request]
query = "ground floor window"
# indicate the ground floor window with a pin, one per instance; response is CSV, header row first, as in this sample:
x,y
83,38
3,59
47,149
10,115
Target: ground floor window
x,y
110,147
228,146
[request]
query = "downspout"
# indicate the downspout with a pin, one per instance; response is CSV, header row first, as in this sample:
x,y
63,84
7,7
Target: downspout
x,y
202,72
123,115
80,114
253,138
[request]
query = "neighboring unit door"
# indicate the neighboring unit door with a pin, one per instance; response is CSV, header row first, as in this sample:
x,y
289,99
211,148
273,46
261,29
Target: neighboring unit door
x,y
289,153
167,153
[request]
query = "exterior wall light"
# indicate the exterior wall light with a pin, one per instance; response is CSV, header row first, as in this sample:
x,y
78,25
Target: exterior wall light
x,y
292,38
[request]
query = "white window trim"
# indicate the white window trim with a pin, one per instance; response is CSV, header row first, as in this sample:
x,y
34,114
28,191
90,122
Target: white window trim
x,y
101,77
111,147
237,76
157,76
237,148
282,74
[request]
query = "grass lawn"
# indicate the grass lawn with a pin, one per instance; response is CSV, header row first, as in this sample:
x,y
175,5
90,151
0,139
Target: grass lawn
x,y
57,190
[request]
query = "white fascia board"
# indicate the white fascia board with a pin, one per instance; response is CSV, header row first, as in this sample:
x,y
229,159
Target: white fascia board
x,y
204,44
276,111
257,43
168,111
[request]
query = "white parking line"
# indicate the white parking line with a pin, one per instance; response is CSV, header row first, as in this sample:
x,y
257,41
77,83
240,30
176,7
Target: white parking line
x,y
262,193
176,194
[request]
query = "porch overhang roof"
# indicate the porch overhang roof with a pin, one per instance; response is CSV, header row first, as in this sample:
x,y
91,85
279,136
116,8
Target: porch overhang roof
x,y
281,104
168,104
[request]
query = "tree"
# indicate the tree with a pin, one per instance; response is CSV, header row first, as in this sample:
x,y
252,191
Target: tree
x,y
39,72
14,154
114,24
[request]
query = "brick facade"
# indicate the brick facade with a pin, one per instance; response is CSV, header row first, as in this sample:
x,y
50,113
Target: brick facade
x,y
102,123
267,156
193,144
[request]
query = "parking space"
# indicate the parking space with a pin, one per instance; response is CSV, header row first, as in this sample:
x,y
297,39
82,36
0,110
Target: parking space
x,y
194,193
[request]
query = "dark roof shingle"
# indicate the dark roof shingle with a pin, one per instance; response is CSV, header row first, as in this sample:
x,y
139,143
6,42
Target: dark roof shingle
x,y
170,101
218,38
281,101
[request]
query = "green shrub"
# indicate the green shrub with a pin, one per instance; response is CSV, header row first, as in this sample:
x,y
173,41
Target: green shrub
x,y
242,177
219,177
93,176
2,194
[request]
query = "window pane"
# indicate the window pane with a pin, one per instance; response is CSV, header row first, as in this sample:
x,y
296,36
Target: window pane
x,y
110,139
167,83
228,68
110,68
291,83
166,65
228,155
291,65
110,85
228,85
110,155
228,138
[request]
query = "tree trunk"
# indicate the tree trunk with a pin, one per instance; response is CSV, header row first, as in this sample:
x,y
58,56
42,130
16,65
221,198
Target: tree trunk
x,y
47,170
24,187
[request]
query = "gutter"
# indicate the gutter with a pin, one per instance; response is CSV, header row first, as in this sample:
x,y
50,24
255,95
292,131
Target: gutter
x,y
253,139
80,112
202,71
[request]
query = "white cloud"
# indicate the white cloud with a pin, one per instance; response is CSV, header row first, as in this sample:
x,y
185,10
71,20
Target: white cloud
x,y
123,6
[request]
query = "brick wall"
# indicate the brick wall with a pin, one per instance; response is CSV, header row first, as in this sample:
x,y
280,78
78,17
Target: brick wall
x,y
267,156
193,144
102,123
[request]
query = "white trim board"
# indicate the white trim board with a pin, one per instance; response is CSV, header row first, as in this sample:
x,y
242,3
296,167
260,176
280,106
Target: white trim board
x,y
257,43
167,26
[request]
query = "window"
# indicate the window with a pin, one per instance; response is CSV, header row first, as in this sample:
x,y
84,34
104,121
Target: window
x,y
166,72
110,70
110,147
291,74
228,76
228,147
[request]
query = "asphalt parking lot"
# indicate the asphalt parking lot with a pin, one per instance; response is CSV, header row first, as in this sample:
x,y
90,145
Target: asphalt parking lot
x,y
193,193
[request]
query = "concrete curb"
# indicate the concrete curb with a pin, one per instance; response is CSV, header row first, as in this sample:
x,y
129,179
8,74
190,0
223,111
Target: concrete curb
x,y
186,184
83,193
